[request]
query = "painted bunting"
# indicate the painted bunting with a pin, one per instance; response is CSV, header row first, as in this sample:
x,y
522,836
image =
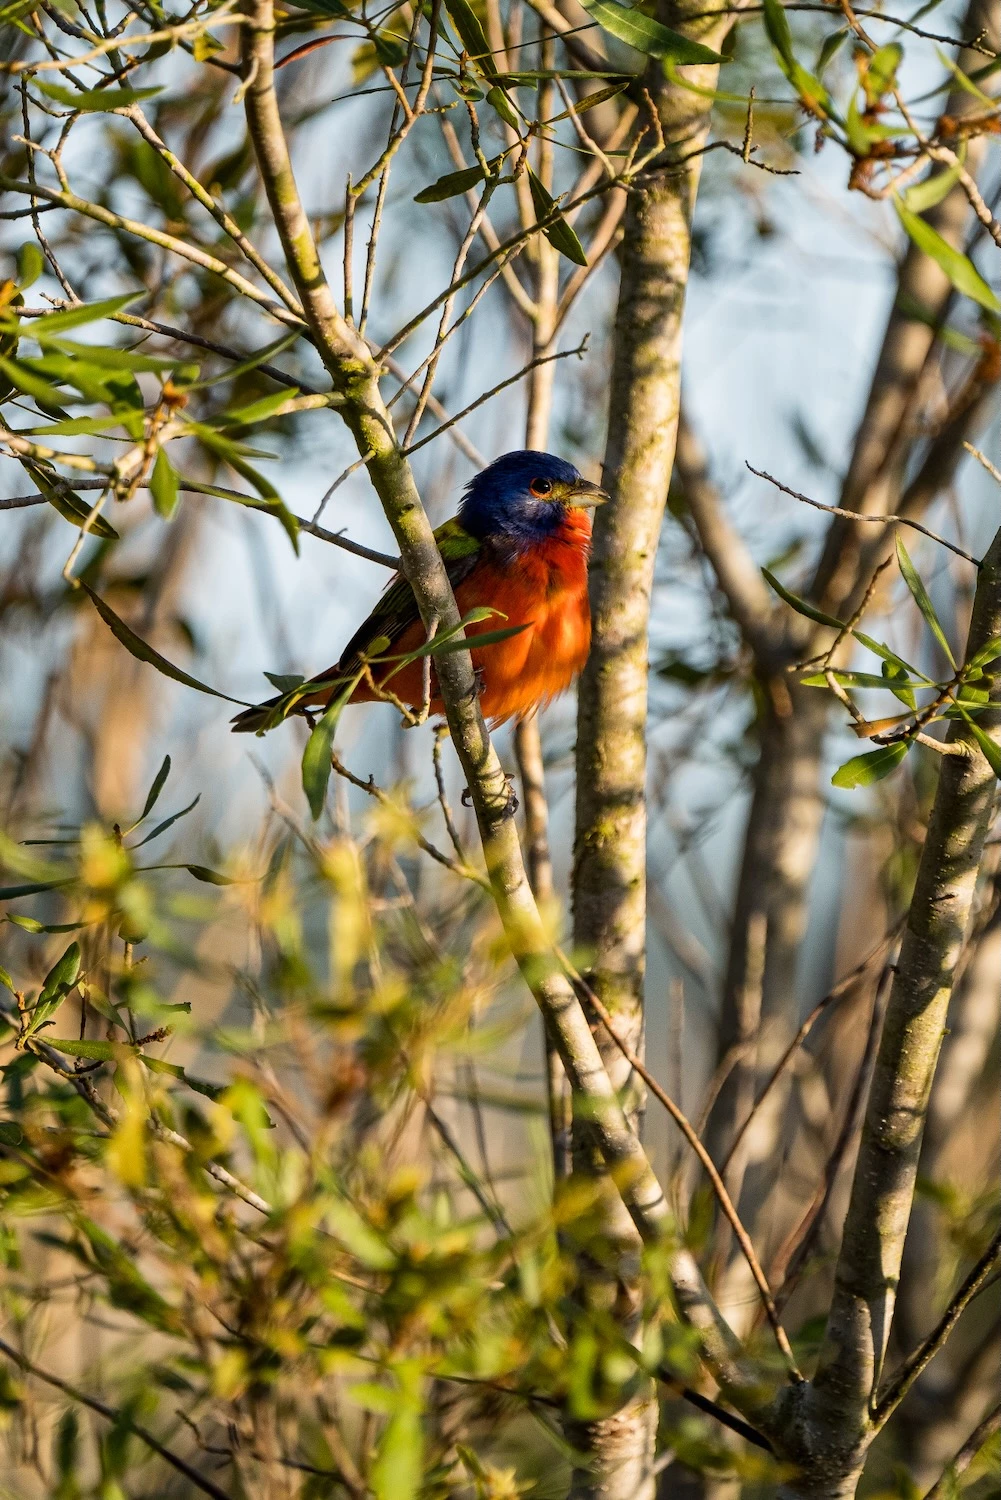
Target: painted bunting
x,y
519,546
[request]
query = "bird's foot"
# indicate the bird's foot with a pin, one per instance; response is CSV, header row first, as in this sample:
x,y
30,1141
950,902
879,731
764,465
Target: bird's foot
x,y
510,805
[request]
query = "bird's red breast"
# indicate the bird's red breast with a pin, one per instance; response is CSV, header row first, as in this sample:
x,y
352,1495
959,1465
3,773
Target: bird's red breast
x,y
543,588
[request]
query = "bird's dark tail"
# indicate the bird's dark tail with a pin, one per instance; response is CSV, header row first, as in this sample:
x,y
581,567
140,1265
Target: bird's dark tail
x,y
258,719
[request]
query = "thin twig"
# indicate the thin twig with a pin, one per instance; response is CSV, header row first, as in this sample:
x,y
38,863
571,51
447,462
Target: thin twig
x,y
906,1374
718,1185
121,1420
964,1458
853,515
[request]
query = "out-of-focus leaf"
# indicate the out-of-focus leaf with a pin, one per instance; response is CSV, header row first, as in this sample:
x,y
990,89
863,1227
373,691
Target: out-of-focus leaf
x,y
958,267
928,194
829,49
200,872
285,682
807,85
174,1070
164,485
24,379
30,264
139,648
252,361
921,599
863,770
450,186
91,100
398,1466
559,234
76,317
648,36
990,747
316,759
881,72
258,411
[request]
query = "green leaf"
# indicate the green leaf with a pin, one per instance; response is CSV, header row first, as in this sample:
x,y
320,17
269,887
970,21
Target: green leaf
x,y
922,600
800,605
59,981
30,264
285,682
863,770
471,35
559,234
809,87
11,892
316,759
164,485
263,356
829,48
93,1051
648,36
200,872
451,185
990,747
174,1070
159,782
848,679
958,267
76,317
881,73
475,642
71,508
987,653
138,648
92,100
167,823
24,379
929,194
258,411
900,684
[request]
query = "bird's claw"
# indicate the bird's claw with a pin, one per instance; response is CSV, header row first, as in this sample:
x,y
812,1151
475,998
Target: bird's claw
x,y
511,803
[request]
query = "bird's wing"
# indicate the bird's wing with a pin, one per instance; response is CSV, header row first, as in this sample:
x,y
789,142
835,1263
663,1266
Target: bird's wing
x,y
397,610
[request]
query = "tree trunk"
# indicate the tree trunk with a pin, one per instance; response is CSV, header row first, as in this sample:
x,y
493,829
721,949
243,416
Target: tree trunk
x,y
609,879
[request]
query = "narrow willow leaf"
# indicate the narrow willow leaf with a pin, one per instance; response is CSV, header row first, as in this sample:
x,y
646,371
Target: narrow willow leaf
x,y
451,185
881,73
471,35
94,1051
809,87
559,234
863,770
159,782
92,100
258,411
73,509
164,485
200,872
76,317
475,642
24,379
316,759
958,267
990,747
167,823
139,648
648,36
252,361
174,1070
900,684
848,679
800,605
922,600
987,653
285,682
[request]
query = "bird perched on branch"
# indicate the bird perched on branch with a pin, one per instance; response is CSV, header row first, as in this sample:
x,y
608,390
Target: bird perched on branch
x,y
516,556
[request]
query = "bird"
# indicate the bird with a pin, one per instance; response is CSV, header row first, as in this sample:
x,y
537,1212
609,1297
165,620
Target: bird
x,y
519,546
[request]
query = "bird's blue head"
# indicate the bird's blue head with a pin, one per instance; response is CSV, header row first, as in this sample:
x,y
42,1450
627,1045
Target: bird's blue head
x,y
522,498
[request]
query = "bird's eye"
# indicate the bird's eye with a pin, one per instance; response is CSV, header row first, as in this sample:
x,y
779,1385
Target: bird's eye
x,y
541,487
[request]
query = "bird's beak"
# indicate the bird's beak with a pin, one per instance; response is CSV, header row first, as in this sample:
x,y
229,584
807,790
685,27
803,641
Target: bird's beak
x,y
587,495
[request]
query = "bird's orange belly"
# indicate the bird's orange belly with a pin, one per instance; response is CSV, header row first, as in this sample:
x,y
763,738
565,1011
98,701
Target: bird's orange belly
x,y
526,670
